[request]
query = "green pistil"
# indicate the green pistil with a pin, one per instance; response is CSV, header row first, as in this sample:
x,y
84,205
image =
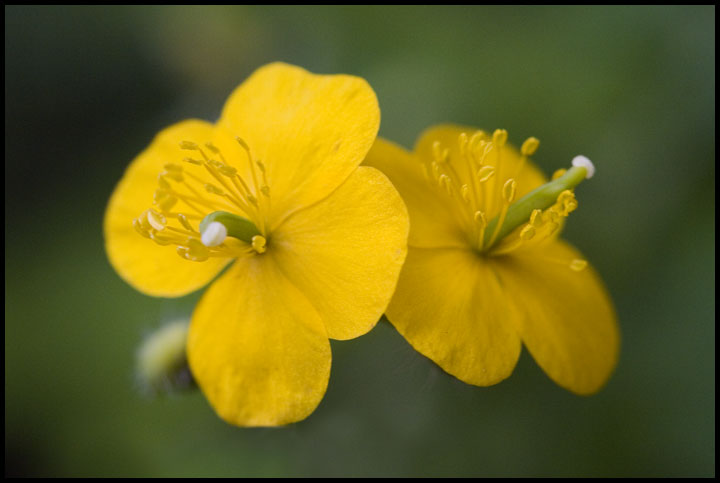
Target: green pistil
x,y
237,226
540,198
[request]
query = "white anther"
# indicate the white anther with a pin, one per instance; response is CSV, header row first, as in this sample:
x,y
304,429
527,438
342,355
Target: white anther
x,y
584,162
214,234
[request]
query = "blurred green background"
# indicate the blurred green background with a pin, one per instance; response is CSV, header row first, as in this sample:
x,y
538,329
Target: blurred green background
x,y
633,88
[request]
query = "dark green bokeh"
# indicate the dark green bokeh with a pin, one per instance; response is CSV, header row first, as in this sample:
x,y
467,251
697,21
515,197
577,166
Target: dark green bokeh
x,y
632,88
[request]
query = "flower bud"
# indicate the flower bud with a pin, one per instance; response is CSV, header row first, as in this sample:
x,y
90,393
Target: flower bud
x,y
162,365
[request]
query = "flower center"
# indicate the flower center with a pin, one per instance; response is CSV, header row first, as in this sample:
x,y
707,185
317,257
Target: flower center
x,y
205,208
480,174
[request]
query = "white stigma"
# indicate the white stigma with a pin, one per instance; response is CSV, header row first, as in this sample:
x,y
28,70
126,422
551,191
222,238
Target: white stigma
x,y
584,162
214,234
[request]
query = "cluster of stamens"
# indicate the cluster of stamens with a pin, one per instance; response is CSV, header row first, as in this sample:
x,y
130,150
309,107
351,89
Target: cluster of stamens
x,y
206,183
476,178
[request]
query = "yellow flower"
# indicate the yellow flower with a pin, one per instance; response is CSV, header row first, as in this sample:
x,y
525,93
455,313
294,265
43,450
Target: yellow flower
x,y
275,187
485,267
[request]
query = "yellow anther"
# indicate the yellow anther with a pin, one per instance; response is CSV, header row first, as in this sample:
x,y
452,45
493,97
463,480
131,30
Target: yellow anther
x,y
480,219
557,174
173,175
567,203
552,228
260,166
252,199
487,147
551,215
188,145
173,167
164,199
211,188
259,243
196,162
527,232
242,143
463,143
228,171
265,190
570,206
215,163
536,218
162,182
529,146
212,147
475,140
485,173
160,240
156,220
565,196
165,202
465,193
500,137
509,189
193,250
184,222
578,265
137,224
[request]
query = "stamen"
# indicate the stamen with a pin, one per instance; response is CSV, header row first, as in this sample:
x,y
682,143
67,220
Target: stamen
x,y
500,137
558,173
139,228
183,219
156,220
259,243
508,192
527,232
194,251
509,189
529,147
485,173
189,145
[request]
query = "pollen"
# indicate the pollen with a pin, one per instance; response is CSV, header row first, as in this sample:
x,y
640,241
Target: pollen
x,y
189,188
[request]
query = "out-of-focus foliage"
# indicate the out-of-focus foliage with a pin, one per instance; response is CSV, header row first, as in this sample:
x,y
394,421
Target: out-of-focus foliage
x,y
633,88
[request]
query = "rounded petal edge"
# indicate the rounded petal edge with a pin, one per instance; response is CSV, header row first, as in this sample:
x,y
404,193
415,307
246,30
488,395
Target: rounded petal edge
x,y
152,269
311,131
261,358
345,253
567,320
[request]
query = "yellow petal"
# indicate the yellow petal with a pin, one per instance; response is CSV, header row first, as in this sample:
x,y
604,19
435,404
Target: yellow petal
x,y
528,177
566,318
150,268
451,308
433,215
310,131
257,348
345,252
